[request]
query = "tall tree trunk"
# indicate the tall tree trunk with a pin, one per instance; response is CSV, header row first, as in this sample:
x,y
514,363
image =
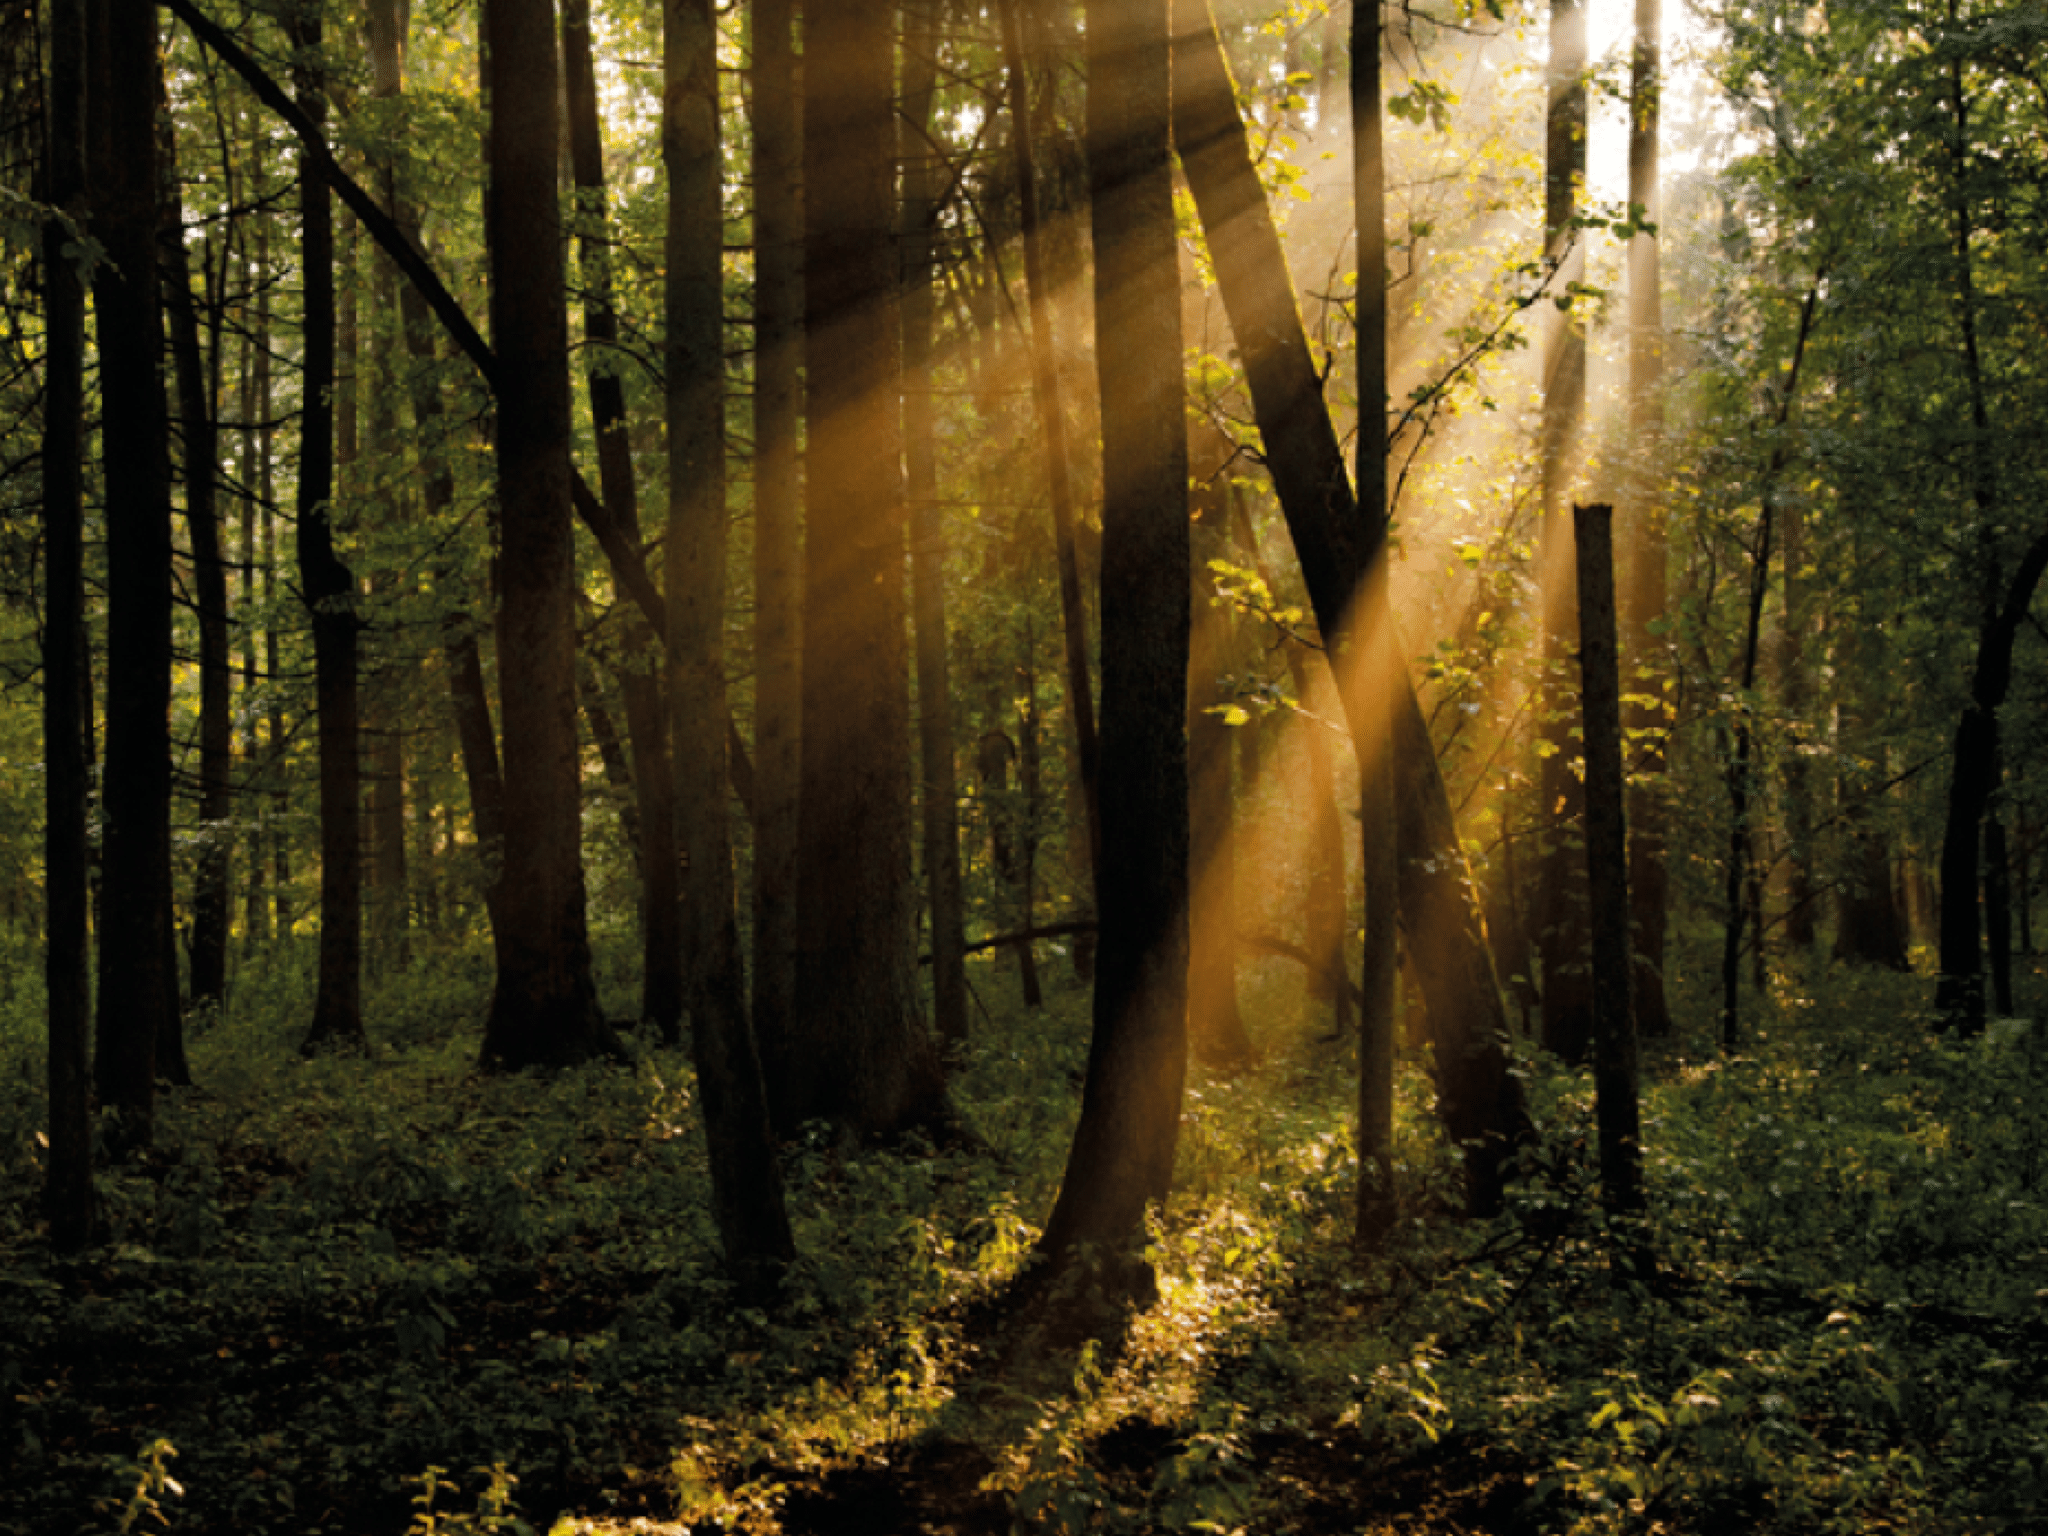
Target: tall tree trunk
x,y
544,1008
1478,1096
1562,918
939,795
778,507
137,999
1371,651
329,591
1030,778
68,1197
1801,897
1645,592
201,436
1045,392
255,404
1614,1026
861,1055
746,1185
1122,1155
647,722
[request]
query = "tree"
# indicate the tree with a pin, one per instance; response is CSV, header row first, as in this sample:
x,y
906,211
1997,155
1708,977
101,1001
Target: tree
x,y
746,1188
1122,1157
1645,594
68,1197
137,996
544,1009
1561,916
857,1052
647,716
328,588
1479,1097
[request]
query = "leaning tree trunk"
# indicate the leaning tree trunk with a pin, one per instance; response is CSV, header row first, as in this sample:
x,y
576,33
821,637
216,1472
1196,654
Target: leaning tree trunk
x,y
68,1198
1478,1096
859,1053
137,999
1122,1156
544,1008
329,591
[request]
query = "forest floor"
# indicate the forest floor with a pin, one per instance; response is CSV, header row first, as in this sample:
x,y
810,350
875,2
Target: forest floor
x,y
384,1294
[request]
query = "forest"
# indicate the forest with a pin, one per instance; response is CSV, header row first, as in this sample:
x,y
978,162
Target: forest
x,y
1002,767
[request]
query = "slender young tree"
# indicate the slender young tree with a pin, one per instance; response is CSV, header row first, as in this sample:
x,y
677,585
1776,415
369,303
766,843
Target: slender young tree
x,y
1122,1156
1645,592
1370,651
137,997
859,1054
1479,1097
1561,916
68,1198
328,588
939,789
544,1008
647,722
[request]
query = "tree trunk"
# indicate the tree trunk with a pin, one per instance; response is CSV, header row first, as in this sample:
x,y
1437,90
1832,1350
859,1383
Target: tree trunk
x,y
201,436
778,504
1479,1098
68,1197
1562,918
1045,392
746,1185
1122,1156
1370,651
1646,592
939,795
860,1054
647,721
1801,897
544,1009
1614,1027
329,593
137,999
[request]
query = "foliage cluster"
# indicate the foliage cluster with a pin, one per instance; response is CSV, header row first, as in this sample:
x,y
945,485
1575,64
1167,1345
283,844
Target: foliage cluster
x,y
337,1279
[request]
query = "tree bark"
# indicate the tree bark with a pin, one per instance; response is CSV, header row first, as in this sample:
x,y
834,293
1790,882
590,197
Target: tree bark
x,y
778,508
860,1054
1479,1098
544,1009
137,997
68,1195
1045,391
746,1185
1122,1156
329,593
200,433
640,678
1562,919
1646,594
939,797
1614,1027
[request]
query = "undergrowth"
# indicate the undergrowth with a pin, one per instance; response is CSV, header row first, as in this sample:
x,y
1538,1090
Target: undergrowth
x,y
388,1295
